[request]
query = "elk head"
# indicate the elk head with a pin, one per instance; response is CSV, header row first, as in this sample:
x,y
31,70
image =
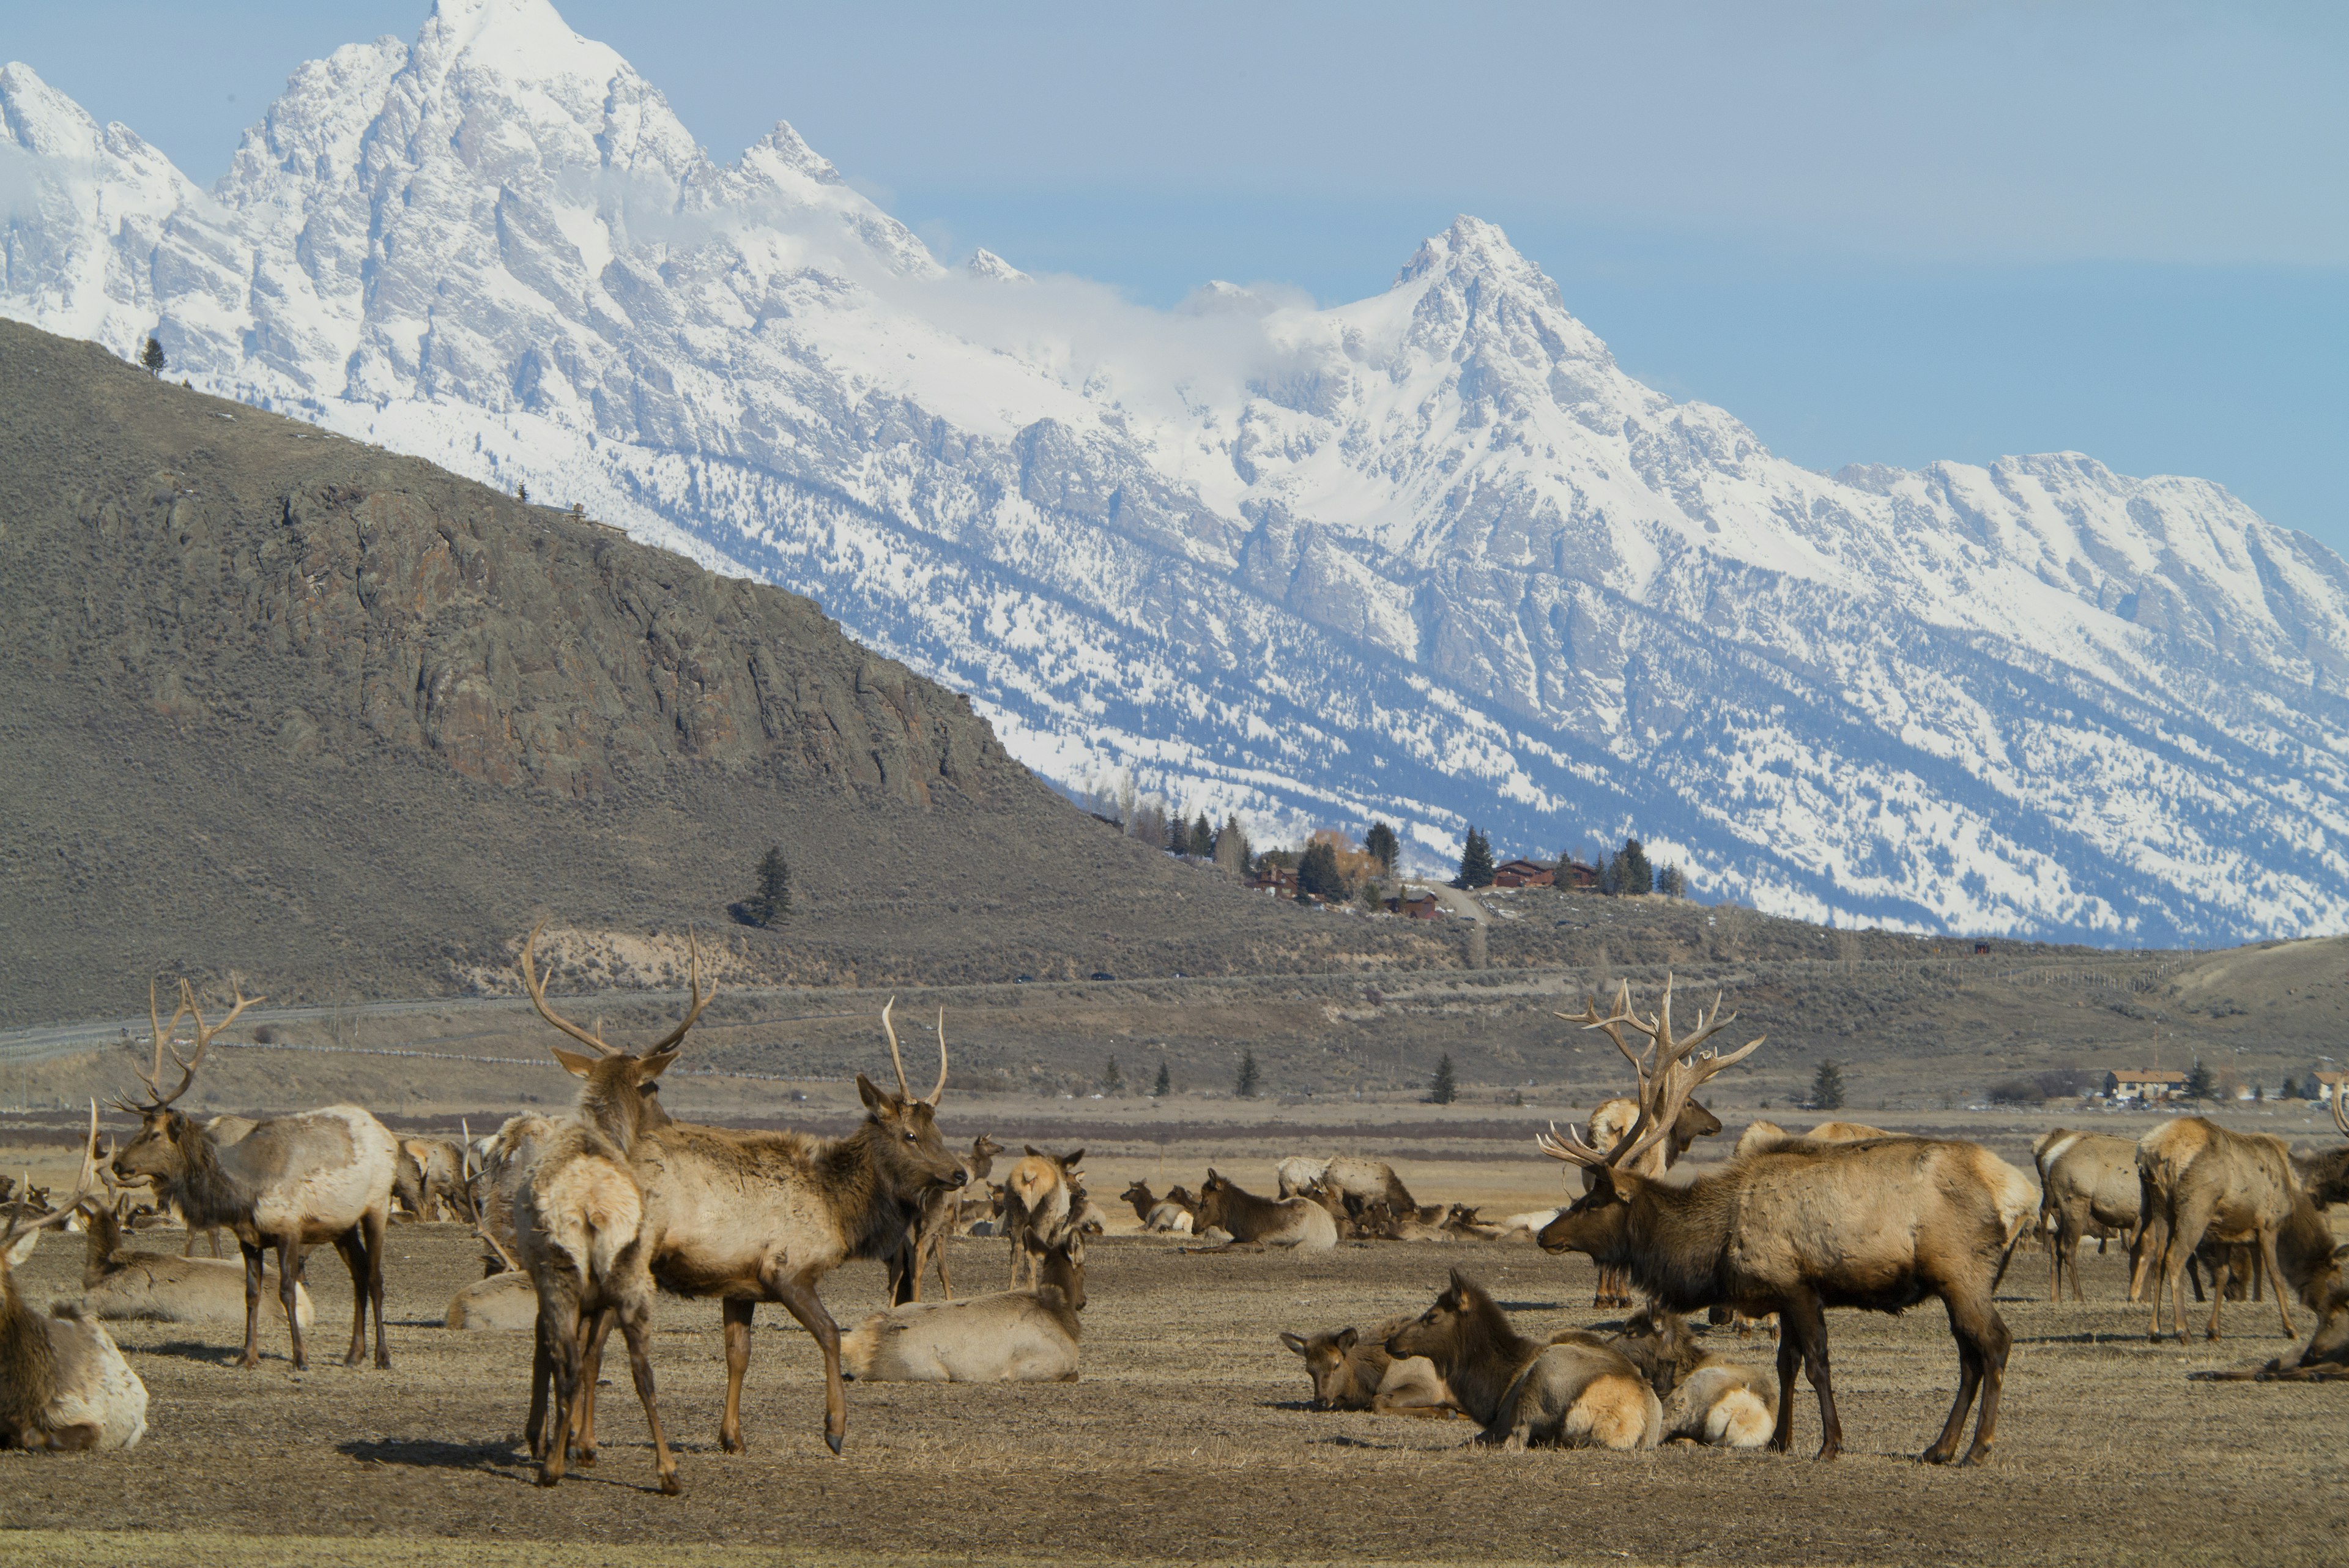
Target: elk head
x,y
912,1155
618,1087
1325,1361
1462,1319
160,1151
1669,1070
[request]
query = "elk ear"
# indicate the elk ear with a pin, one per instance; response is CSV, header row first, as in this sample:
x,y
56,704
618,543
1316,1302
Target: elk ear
x,y
574,1062
1460,1285
1071,1161
1348,1339
1031,1149
652,1068
876,1100
1294,1343
1212,1176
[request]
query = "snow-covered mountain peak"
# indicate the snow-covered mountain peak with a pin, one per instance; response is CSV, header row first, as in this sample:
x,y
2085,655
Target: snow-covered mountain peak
x,y
1431,555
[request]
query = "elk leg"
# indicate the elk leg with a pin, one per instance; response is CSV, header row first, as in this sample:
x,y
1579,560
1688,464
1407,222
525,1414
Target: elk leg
x,y
253,1267
2055,1262
738,1362
289,1265
542,1380
1963,1330
372,1227
354,1251
558,1325
2267,1257
1790,1358
1803,1317
636,1322
1991,1342
939,1252
2146,1247
797,1293
592,1332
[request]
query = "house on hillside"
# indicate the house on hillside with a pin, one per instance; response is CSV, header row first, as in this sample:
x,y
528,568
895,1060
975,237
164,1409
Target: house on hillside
x,y
1523,874
2145,1084
1576,874
1280,881
1417,907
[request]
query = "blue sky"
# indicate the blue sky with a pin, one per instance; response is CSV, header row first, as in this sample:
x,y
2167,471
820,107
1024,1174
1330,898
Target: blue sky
x,y
1878,232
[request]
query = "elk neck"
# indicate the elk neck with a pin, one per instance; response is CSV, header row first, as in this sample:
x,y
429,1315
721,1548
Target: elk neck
x,y
612,1103
105,1239
199,1184
2305,1253
1672,1239
29,1361
872,1215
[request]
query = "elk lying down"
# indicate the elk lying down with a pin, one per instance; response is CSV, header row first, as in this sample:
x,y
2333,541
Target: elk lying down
x,y
1252,1220
1010,1336
1170,1215
1707,1399
121,1284
63,1382
501,1301
1579,1394
1352,1373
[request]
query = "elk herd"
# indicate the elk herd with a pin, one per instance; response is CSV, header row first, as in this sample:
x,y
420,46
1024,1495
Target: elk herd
x,y
591,1219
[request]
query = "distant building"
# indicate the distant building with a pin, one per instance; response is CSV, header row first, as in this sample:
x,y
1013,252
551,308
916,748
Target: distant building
x,y
1575,874
1418,907
1523,874
1280,881
2147,1083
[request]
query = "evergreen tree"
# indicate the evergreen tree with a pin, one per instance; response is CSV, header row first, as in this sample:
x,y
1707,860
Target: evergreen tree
x,y
1318,874
1203,838
1164,1086
1672,883
1249,1078
2201,1083
1178,837
1112,1081
2291,1089
1610,874
1443,1088
521,493
772,900
1826,1087
1232,852
151,356
1475,862
1382,845
1638,876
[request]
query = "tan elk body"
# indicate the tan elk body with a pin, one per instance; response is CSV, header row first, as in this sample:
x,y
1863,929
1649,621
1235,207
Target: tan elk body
x,y
64,1384
1043,1203
1882,1224
121,1283
1010,1336
1250,1220
2201,1180
288,1183
1349,1179
1707,1399
1353,1371
1578,1394
2088,1187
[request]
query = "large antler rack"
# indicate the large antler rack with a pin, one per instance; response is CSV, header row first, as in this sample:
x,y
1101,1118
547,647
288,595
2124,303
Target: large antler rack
x,y
1672,1071
187,1007
594,1038
898,1061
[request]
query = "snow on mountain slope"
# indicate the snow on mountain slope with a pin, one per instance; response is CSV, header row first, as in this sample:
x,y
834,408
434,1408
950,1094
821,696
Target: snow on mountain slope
x,y
1431,556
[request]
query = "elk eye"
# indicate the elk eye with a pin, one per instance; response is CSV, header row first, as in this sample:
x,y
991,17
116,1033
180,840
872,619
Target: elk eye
x,y
911,1138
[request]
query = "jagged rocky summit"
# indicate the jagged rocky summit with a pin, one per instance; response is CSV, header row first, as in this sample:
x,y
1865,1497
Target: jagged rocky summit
x,y
1431,555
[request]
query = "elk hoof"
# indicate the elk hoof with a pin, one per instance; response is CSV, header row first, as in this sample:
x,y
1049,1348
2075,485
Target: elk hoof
x,y
729,1443
832,1440
548,1478
670,1487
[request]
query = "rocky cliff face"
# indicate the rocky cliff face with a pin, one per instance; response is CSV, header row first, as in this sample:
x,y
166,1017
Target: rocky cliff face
x,y
1431,556
277,702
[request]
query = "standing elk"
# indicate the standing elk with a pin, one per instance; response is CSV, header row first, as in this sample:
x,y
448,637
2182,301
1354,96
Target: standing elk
x,y
289,1184
1010,1336
2088,1187
1252,1220
1351,1180
941,1213
1881,1225
62,1382
2201,1183
749,1216
1042,1203
1351,1371
1761,1135
1574,1392
431,1178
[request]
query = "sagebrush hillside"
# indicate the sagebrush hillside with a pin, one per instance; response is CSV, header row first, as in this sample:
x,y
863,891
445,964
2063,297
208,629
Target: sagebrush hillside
x,y
279,703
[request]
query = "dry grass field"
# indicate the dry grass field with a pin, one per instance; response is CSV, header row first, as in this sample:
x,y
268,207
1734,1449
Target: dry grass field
x,y
1189,1437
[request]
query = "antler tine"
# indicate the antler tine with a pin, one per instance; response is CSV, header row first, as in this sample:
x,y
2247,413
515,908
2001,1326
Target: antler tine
x,y
537,989
161,1036
2340,1119
16,1227
1568,1146
903,1088
204,1036
1613,1025
693,942
940,1093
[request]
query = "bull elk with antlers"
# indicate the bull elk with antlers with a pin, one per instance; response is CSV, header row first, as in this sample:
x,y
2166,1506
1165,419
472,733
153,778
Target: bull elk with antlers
x,y
753,1217
289,1184
1882,1225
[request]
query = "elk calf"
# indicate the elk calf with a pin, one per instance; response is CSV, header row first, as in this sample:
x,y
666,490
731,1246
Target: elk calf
x,y
1350,1372
1011,1336
1581,1393
63,1382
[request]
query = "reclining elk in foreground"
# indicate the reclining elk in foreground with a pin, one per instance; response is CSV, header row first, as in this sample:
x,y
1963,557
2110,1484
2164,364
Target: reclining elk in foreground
x,y
63,1382
1883,1225
763,1216
1010,1336
289,1184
